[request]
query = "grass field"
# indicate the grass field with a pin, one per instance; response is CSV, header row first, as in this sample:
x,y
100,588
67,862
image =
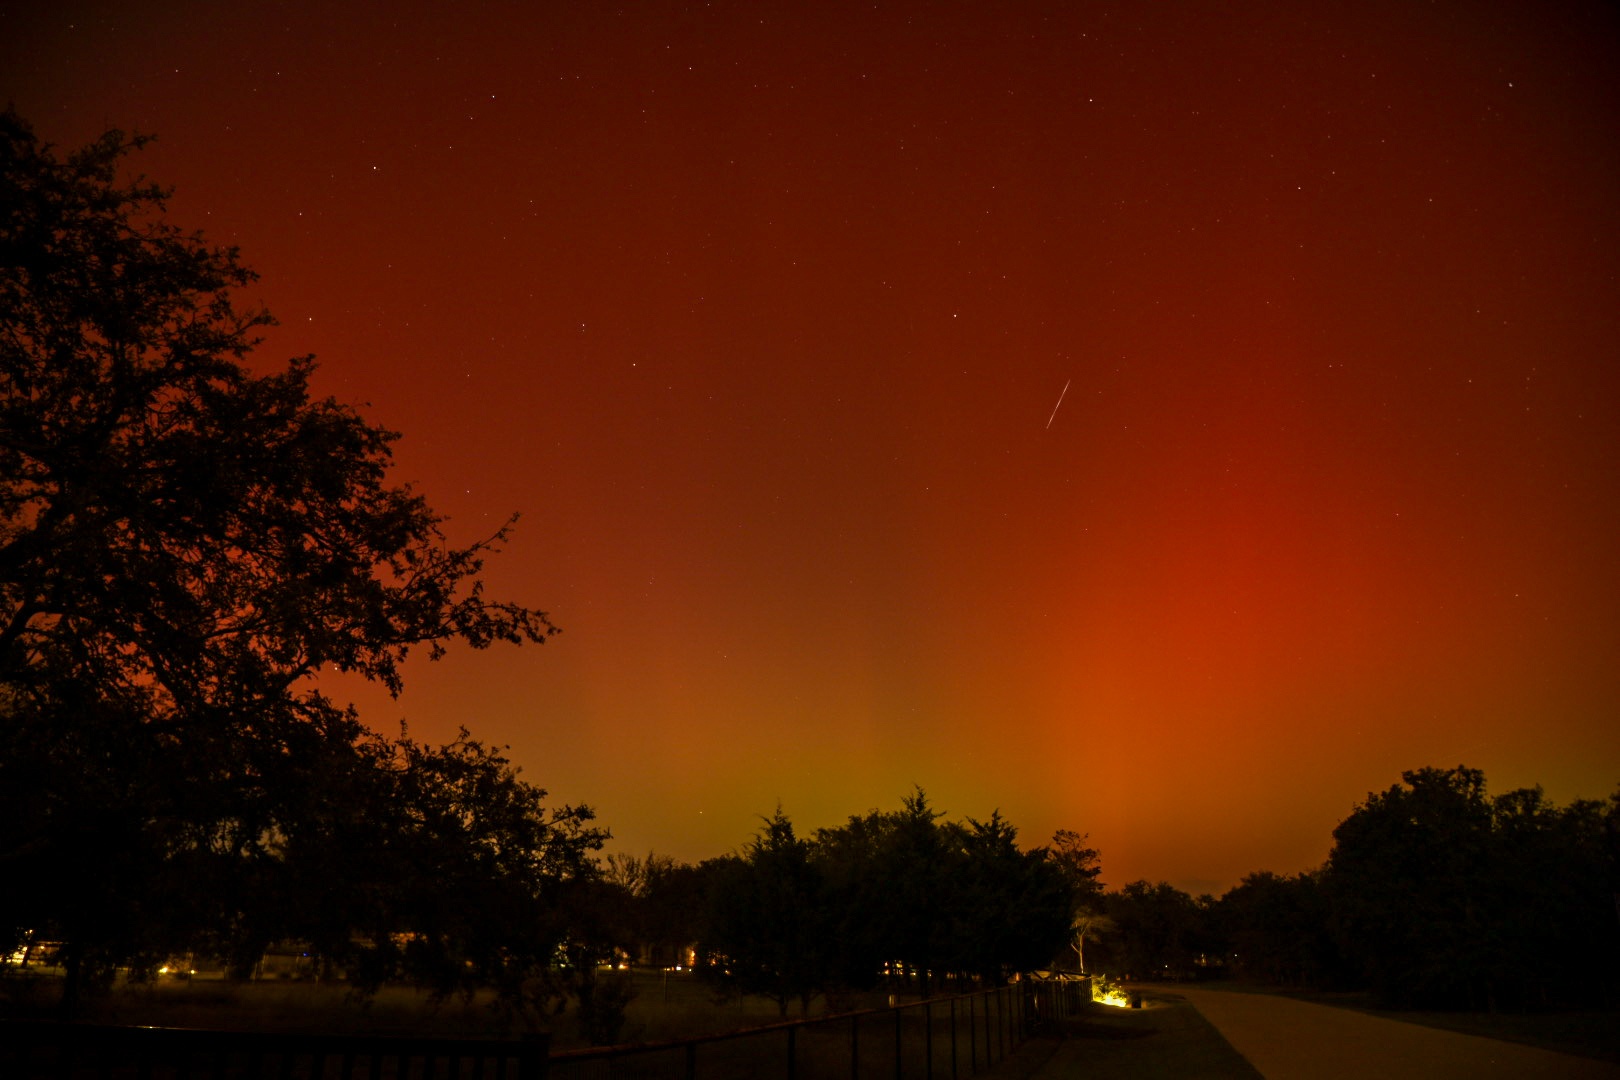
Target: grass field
x,y
1165,1040
665,1006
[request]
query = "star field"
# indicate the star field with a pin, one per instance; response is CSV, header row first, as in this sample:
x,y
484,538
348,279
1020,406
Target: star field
x,y
758,315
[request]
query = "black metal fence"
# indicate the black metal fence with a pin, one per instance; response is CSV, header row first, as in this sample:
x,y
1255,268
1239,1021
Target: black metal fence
x,y
40,1050
940,1039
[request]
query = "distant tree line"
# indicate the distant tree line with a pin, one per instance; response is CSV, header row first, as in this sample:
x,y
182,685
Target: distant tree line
x,y
899,891
892,898
1435,895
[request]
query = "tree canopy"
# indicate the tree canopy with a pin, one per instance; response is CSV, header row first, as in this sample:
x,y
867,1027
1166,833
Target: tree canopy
x,y
1443,895
185,540
902,891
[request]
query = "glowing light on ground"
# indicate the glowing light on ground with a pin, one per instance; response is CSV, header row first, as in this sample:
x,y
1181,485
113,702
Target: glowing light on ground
x,y
1104,992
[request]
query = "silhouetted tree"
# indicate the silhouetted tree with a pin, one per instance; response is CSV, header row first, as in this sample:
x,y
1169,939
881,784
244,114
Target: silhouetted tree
x,y
896,890
183,543
1443,896
488,879
893,875
1160,931
1277,930
597,928
1011,909
1408,875
1081,866
765,931
916,861
1555,905
861,898
671,910
906,891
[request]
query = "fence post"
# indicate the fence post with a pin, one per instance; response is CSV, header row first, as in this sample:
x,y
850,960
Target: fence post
x,y
691,1061
854,1047
793,1053
953,1039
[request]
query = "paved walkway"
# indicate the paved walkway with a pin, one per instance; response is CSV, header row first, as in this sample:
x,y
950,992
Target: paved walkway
x,y
1295,1040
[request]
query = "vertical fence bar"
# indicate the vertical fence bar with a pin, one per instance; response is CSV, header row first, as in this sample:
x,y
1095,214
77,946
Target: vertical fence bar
x,y
928,1040
983,1027
992,1035
997,1046
793,1053
986,1001
990,1045
1001,1019
897,1043
953,1039
995,1042
973,1040
854,1048
992,999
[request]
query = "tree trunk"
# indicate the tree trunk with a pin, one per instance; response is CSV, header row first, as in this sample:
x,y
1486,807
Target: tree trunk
x,y
72,959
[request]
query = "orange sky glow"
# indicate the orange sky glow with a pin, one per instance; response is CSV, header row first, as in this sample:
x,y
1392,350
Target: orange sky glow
x,y
761,314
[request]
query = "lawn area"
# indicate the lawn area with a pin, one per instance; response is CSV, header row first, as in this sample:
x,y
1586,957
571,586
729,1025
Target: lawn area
x,y
665,1006
1165,1040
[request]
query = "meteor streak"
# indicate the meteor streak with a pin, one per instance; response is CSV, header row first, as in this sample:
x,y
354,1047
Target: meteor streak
x,y
1049,419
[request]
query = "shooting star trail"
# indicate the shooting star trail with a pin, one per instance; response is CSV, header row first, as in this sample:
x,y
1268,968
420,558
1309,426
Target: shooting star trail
x,y
1049,419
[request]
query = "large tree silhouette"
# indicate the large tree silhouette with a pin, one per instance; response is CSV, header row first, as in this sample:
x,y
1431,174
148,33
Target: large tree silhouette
x,y
766,931
184,541
1445,896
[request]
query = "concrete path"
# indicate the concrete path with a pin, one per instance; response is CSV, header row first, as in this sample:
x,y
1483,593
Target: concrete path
x,y
1295,1040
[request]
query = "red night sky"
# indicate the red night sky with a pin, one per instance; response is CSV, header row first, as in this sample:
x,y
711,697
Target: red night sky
x,y
759,313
